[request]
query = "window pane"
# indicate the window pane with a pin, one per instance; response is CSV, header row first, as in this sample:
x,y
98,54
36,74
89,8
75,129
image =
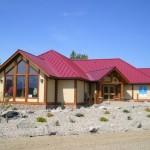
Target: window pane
x,y
9,86
32,71
11,72
33,86
21,67
112,89
20,86
105,89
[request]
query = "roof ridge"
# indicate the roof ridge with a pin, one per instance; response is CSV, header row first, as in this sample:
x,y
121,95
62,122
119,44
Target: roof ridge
x,y
101,69
68,64
95,59
19,50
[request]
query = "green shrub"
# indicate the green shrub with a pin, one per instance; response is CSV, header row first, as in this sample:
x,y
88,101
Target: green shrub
x,y
79,115
129,118
50,114
126,111
62,106
14,108
24,116
148,116
107,112
41,119
147,109
103,119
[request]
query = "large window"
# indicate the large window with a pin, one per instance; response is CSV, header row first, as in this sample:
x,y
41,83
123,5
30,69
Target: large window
x,y
20,92
9,86
26,79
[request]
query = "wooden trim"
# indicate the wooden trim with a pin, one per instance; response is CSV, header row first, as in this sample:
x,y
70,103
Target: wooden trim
x,y
15,81
75,92
26,81
56,91
27,103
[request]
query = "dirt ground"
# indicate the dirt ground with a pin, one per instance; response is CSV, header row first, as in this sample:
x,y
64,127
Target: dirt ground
x,y
103,141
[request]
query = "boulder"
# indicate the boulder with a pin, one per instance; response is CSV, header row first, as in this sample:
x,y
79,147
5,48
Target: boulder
x,y
10,114
93,129
24,123
47,130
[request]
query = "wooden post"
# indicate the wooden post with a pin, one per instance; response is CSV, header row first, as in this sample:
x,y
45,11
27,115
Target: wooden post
x,y
132,91
121,91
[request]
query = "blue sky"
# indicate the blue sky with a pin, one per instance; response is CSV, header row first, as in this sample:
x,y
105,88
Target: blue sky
x,y
98,28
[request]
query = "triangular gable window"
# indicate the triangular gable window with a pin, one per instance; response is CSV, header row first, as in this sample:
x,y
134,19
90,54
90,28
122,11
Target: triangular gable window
x,y
11,72
32,71
21,67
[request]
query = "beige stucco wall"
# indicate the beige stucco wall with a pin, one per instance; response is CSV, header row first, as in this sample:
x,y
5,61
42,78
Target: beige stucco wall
x,y
87,90
41,87
1,85
80,91
127,91
32,100
65,91
51,90
136,91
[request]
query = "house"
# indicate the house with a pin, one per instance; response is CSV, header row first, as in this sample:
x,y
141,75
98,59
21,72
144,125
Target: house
x,y
51,78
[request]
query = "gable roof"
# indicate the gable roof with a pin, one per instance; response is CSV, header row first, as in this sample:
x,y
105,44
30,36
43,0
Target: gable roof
x,y
131,73
56,65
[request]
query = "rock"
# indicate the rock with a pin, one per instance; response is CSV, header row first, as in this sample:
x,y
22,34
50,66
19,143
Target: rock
x,y
48,131
137,124
93,129
30,112
95,105
102,107
10,114
26,124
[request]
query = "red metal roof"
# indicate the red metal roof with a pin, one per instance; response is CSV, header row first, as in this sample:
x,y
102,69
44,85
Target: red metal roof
x,y
54,64
131,73
64,67
146,71
98,74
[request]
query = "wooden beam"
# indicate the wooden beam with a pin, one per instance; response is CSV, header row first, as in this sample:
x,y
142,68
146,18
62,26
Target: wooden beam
x,y
121,91
132,91
15,81
26,81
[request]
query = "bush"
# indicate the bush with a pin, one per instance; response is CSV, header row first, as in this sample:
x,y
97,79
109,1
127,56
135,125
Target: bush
x,y
62,106
126,111
50,115
41,119
79,115
14,108
129,118
106,112
148,116
103,119
24,116
147,109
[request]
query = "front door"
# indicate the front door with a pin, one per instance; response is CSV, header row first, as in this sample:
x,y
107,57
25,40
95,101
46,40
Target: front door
x,y
109,92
